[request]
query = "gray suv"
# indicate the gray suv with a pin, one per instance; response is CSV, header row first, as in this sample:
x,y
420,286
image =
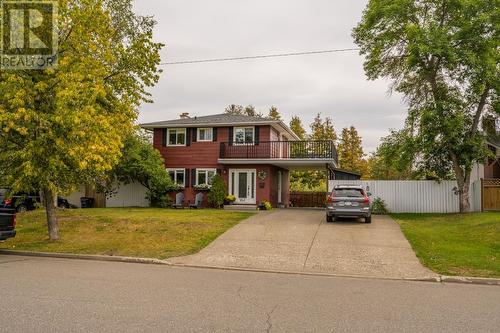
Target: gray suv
x,y
348,201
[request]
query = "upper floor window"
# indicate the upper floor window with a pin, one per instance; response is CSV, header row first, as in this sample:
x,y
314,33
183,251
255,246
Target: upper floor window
x,y
176,137
244,135
204,176
205,134
178,176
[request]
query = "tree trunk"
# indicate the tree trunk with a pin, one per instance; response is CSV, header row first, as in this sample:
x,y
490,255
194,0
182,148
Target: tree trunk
x,y
463,182
50,208
464,198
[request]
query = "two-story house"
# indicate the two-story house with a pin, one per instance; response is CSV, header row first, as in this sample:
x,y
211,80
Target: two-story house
x,y
253,155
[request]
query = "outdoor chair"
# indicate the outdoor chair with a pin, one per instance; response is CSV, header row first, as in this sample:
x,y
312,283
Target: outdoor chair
x,y
197,201
179,201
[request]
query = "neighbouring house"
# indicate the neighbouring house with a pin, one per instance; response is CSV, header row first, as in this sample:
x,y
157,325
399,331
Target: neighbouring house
x,y
339,174
253,155
490,169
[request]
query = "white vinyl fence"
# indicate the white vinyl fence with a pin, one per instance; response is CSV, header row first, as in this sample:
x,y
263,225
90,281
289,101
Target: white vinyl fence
x,y
130,195
415,196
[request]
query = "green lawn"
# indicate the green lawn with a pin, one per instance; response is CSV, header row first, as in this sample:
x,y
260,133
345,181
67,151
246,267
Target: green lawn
x,y
138,232
455,244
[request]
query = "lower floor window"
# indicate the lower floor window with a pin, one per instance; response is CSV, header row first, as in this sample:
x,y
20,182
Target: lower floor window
x,y
205,176
178,176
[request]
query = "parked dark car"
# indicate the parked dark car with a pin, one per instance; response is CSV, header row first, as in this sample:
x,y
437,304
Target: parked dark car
x,y
7,223
23,202
348,201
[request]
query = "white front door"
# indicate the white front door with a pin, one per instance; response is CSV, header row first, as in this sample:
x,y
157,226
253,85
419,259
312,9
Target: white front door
x,y
242,185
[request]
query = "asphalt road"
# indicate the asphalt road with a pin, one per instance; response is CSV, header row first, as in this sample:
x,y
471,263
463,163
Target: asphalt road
x,y
60,295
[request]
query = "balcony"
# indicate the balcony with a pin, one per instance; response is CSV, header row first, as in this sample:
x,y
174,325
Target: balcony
x,y
280,150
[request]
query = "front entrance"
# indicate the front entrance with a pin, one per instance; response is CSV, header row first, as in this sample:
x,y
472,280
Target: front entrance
x,y
242,185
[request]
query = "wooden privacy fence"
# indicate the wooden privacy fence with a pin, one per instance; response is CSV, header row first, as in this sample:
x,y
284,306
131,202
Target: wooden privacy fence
x,y
490,189
308,199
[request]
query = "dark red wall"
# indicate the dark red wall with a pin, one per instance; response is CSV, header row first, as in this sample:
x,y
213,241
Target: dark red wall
x,y
206,154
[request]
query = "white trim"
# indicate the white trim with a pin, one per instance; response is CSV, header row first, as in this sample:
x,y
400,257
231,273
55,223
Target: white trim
x,y
175,171
280,186
176,137
205,128
252,197
243,143
205,170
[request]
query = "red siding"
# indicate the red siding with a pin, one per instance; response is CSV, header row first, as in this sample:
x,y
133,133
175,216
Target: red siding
x,y
205,155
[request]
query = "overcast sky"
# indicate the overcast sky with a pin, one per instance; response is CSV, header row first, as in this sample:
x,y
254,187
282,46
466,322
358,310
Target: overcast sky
x,y
332,84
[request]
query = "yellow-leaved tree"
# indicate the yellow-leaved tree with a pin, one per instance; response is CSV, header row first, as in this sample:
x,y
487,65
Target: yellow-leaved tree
x,y
65,126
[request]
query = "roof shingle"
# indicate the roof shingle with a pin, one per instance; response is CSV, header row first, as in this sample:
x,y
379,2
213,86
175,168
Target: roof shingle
x,y
223,118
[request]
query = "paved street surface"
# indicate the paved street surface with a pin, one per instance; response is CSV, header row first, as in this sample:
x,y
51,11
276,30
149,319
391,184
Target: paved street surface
x,y
62,295
301,241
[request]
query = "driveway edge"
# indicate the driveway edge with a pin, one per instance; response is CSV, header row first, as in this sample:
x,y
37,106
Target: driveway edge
x,y
152,261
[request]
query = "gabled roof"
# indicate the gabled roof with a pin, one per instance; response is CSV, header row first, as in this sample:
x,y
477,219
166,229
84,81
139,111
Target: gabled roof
x,y
494,141
223,119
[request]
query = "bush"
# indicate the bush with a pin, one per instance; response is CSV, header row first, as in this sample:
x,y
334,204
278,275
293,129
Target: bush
x,y
379,207
217,193
230,199
266,205
160,200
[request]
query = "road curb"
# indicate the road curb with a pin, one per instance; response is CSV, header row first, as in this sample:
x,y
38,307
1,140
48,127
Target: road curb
x,y
151,261
470,280
94,257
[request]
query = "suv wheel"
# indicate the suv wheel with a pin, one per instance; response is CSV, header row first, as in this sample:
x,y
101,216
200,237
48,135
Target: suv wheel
x,y
368,219
22,208
330,218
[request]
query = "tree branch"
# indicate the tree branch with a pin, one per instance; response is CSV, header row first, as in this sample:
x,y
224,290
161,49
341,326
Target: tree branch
x,y
479,110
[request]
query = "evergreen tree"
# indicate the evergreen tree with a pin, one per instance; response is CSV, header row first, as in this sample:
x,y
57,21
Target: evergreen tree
x,y
297,128
274,114
217,193
350,151
250,111
323,129
234,109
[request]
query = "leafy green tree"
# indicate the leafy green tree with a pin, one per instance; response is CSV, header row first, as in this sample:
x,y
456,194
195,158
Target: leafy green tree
x,y
142,163
65,126
350,151
297,128
394,158
443,56
217,193
274,114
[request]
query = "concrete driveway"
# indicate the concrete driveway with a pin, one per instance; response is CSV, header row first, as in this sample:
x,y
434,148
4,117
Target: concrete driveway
x,y
302,241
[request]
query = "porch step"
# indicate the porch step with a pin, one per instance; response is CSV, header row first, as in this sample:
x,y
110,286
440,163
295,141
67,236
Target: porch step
x,y
250,208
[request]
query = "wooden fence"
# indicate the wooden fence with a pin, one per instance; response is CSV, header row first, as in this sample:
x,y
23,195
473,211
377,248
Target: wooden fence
x,y
490,189
308,199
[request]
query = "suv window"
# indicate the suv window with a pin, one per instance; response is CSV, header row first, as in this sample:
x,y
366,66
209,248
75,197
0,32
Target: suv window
x,y
348,193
